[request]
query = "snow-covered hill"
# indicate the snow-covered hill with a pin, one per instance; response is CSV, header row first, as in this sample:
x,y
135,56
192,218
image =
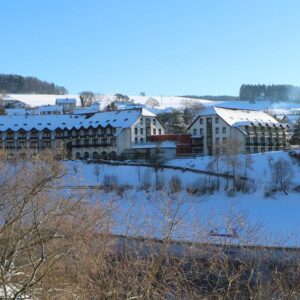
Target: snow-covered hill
x,y
167,103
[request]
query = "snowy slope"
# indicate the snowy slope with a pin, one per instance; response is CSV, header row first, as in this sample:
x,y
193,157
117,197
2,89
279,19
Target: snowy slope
x,y
40,99
276,217
167,103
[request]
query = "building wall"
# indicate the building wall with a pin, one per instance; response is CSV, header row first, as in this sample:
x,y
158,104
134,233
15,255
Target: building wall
x,y
105,143
144,127
222,133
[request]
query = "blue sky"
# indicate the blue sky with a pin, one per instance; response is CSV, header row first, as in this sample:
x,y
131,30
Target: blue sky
x,y
161,47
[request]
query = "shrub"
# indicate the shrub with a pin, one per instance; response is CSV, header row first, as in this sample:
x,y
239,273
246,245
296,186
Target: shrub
x,y
123,188
109,183
146,181
175,184
160,184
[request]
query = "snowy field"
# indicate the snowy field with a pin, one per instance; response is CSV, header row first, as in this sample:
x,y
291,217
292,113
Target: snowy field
x,y
275,218
167,103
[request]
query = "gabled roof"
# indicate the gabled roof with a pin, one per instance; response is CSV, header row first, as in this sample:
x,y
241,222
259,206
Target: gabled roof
x,y
50,108
293,119
240,117
119,119
65,101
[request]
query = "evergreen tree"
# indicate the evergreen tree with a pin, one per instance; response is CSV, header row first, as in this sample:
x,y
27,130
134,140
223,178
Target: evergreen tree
x,y
28,85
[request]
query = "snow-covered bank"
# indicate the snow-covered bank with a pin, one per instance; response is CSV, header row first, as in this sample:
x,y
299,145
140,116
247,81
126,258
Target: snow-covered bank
x,y
276,218
259,165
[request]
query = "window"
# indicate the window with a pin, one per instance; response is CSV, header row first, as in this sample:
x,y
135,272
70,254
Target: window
x,y
142,140
224,140
154,121
217,130
135,140
201,131
194,131
217,120
159,131
217,141
141,130
141,121
217,151
135,130
154,131
201,121
224,130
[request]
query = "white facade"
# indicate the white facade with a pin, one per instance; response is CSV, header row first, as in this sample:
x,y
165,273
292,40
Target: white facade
x,y
68,104
253,131
50,110
102,135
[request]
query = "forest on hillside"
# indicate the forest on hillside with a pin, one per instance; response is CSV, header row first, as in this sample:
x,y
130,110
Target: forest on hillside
x,y
254,92
274,92
16,84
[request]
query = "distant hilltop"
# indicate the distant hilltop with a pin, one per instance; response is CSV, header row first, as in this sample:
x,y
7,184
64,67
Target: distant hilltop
x,y
12,83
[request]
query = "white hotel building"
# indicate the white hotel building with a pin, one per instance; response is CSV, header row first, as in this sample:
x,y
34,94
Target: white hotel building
x,y
254,131
106,135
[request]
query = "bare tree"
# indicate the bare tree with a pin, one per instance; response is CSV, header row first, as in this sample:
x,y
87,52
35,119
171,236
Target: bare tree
x,y
282,175
37,224
191,109
97,171
87,98
152,102
232,157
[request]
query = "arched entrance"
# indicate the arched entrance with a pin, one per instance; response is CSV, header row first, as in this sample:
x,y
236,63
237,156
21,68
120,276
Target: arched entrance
x,y
95,155
104,155
113,155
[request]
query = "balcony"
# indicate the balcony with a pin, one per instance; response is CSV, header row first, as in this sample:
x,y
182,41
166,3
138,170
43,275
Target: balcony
x,y
10,147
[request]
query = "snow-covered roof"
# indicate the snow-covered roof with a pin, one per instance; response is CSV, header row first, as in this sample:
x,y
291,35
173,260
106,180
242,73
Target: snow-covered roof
x,y
49,108
293,119
16,111
94,108
241,117
65,101
85,111
121,119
